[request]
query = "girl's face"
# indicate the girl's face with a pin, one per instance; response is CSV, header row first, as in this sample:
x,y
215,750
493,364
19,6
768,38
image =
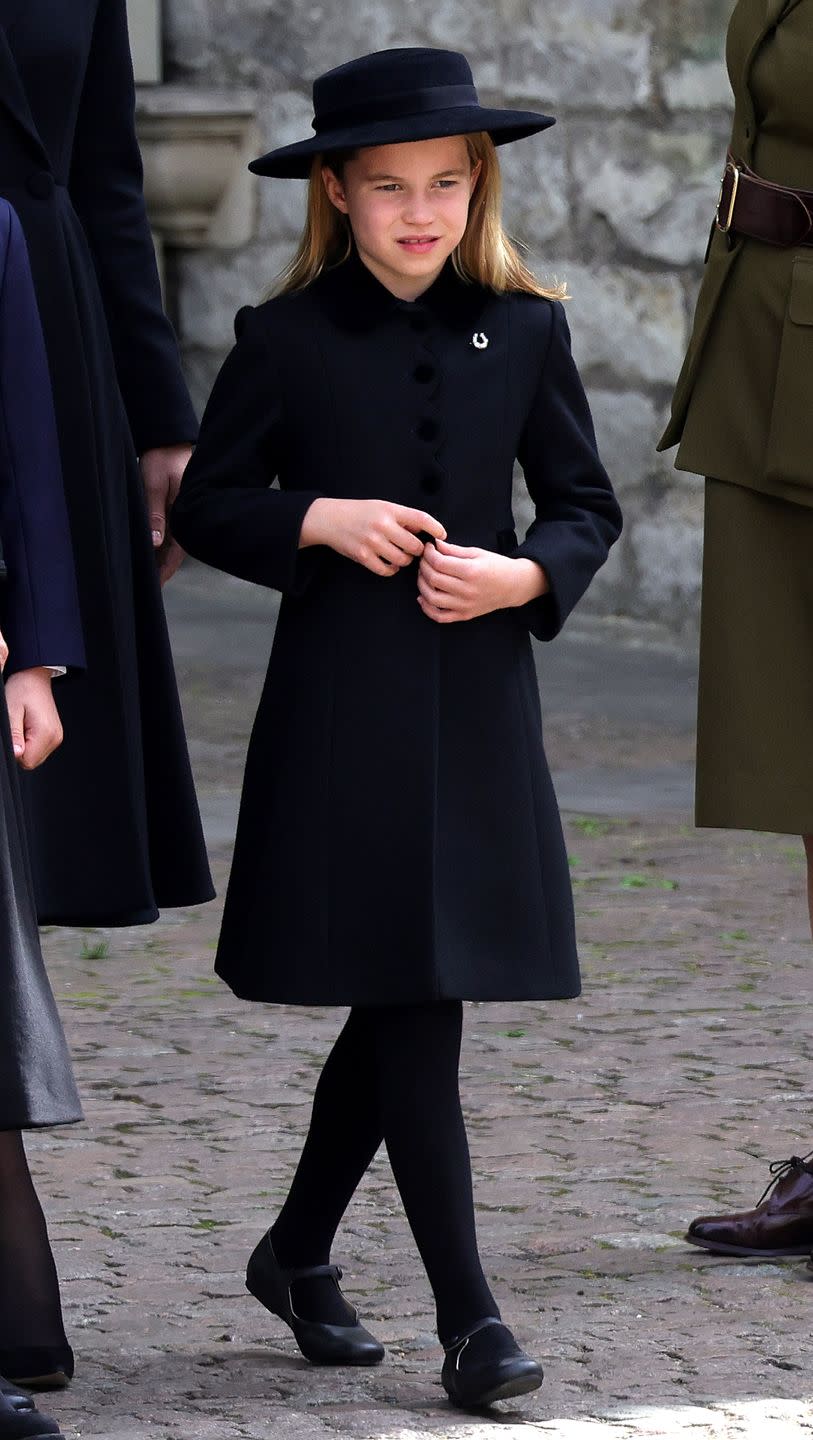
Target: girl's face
x,y
408,206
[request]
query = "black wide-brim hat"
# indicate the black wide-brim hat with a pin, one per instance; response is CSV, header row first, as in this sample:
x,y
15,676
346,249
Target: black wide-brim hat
x,y
391,97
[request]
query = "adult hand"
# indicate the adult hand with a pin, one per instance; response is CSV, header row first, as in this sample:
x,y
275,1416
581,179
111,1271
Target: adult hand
x,y
162,471
377,534
3,653
460,582
36,730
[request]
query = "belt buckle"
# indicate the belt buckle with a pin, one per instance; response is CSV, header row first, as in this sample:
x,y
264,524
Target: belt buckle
x,y
734,170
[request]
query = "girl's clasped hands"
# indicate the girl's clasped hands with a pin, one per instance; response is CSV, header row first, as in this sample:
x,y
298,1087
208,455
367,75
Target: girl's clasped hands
x,y
455,582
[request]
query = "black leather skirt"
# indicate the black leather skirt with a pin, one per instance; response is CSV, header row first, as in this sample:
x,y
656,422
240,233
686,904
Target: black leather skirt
x,y
36,1082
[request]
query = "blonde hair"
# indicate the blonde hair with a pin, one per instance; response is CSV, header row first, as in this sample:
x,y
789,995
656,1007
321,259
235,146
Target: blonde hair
x,y
486,255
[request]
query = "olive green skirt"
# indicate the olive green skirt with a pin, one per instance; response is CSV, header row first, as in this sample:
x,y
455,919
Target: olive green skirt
x,y
755,704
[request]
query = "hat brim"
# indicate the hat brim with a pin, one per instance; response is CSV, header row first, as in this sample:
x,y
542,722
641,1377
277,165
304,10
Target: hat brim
x,y
293,162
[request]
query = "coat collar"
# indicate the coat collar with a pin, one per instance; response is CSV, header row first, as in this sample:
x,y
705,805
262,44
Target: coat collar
x,y
356,300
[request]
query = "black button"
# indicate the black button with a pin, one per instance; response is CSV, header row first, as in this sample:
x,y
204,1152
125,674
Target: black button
x,y
419,323
424,374
40,184
431,482
427,429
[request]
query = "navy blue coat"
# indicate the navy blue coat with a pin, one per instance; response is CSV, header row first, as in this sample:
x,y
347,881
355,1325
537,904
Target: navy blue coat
x,y
39,614
39,606
70,165
399,838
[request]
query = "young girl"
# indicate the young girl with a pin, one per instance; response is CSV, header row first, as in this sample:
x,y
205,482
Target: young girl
x,y
399,847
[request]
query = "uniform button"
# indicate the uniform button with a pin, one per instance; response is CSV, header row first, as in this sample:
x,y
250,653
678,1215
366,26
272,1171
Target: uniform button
x,y
431,482
424,374
427,429
40,184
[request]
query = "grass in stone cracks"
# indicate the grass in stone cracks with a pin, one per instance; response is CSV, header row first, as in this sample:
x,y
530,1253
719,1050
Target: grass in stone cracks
x,y
94,950
634,881
647,882
589,825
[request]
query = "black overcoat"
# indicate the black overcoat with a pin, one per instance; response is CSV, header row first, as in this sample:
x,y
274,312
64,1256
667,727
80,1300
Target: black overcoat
x,y
399,838
113,821
39,614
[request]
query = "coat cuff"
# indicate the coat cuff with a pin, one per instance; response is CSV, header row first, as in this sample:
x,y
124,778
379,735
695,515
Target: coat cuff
x,y
260,545
159,425
543,616
33,657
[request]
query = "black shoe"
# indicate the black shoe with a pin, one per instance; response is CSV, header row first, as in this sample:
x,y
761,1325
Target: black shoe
x,y
38,1367
487,1365
21,1420
320,1343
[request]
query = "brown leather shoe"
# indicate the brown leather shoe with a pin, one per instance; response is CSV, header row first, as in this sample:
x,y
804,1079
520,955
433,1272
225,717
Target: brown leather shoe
x,y
780,1224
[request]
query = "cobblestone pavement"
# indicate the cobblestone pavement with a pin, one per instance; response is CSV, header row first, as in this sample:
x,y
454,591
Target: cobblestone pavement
x,y
599,1128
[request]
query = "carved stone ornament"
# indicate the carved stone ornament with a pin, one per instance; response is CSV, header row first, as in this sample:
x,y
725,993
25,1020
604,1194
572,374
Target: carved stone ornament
x,y
196,145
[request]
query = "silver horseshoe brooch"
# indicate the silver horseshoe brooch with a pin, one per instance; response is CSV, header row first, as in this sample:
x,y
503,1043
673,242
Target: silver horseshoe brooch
x,y
479,340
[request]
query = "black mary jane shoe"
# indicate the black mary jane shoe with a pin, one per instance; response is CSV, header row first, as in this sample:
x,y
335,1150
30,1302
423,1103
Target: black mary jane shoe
x,y
487,1365
39,1367
322,1344
21,1420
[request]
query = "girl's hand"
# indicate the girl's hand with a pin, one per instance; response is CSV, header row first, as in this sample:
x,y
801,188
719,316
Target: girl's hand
x,y
377,534
460,582
3,653
36,730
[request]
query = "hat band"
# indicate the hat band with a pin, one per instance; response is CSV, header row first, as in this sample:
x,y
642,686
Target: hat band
x,y
396,107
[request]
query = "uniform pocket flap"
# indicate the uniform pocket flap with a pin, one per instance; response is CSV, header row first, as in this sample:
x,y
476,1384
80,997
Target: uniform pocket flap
x,y
801,294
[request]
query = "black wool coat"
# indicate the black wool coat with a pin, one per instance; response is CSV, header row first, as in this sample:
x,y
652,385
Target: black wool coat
x,y
399,838
112,818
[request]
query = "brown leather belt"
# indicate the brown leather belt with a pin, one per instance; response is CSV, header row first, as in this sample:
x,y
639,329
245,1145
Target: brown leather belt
x,y
775,214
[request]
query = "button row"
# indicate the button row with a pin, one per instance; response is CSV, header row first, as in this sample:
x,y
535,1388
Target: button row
x,y
427,428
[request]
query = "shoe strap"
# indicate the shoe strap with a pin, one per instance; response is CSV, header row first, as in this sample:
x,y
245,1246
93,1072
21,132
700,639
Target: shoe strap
x,y
314,1272
463,1339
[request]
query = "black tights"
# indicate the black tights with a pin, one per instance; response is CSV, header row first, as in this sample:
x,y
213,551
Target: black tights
x,y
393,1076
32,1336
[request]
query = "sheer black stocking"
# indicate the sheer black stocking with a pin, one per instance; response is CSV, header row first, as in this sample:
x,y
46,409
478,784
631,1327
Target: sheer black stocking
x,y
392,1075
32,1335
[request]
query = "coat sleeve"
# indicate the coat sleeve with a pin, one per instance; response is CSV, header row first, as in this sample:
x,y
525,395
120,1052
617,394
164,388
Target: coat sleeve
x,y
577,515
226,513
106,185
40,610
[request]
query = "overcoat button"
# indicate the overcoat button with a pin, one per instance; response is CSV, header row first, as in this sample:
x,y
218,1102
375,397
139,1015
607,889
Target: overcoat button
x,y
40,184
431,482
424,374
427,429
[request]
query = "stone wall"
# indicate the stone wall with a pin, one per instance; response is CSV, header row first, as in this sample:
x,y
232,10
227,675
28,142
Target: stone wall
x,y
617,200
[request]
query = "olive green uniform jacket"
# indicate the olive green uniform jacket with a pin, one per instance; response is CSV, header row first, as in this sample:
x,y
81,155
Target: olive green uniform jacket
x,y
743,406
